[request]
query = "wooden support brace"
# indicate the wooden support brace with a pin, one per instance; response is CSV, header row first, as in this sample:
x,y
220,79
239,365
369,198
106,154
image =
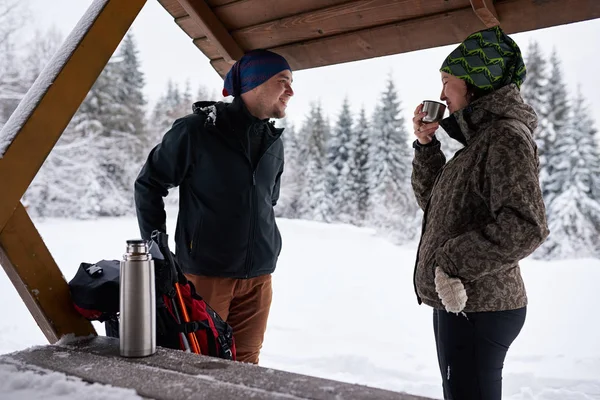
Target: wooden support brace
x,y
32,131
486,12
38,280
202,14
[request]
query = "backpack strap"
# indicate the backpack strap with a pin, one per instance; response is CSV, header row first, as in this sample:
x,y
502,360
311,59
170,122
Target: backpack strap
x,y
192,326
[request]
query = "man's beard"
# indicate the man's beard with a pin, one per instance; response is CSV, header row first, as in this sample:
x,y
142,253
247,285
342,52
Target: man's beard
x,y
277,113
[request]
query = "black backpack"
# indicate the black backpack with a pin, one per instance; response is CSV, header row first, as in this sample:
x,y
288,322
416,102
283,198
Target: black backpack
x,y
95,295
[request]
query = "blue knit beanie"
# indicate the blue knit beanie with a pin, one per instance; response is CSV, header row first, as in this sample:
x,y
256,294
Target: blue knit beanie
x,y
252,70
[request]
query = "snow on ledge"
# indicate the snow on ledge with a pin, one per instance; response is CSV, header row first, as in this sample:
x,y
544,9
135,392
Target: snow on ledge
x,y
71,338
48,76
24,381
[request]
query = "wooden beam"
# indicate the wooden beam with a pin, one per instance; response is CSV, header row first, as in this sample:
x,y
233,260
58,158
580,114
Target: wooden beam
x,y
221,66
174,8
343,18
218,3
442,29
520,16
245,13
49,105
485,10
32,131
191,27
202,15
39,282
207,47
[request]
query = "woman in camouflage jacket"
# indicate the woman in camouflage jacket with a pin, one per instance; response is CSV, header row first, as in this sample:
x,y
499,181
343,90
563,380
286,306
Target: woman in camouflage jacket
x,y
483,213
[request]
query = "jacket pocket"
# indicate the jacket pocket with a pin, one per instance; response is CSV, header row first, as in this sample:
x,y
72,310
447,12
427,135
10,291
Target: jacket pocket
x,y
279,240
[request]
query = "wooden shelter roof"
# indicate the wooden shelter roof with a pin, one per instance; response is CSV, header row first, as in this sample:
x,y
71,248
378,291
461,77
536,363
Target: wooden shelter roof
x,y
314,33
309,33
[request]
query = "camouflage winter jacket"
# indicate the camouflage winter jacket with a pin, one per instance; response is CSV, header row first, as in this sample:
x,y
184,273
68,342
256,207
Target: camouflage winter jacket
x,y
483,209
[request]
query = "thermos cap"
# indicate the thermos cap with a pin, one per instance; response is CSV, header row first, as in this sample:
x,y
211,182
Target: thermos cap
x,y
136,247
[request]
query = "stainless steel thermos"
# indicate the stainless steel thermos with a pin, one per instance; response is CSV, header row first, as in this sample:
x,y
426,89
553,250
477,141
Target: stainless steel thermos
x,y
137,325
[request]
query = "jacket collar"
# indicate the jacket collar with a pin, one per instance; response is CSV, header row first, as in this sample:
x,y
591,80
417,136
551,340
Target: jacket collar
x,y
242,120
466,124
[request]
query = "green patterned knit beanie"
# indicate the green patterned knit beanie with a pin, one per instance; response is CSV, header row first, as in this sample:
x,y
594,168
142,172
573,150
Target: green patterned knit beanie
x,y
487,59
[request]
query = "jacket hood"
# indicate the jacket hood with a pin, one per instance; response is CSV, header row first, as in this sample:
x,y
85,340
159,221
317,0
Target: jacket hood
x,y
504,103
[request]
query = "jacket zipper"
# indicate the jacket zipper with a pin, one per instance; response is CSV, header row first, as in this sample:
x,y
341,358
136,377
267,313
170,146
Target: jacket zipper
x,y
437,179
253,212
251,236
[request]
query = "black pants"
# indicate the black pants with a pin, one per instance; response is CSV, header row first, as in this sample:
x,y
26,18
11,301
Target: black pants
x,y
471,351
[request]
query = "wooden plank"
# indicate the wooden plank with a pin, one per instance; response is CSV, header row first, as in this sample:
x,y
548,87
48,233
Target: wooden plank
x,y
38,280
214,30
217,3
177,375
349,17
173,7
486,12
402,37
56,95
207,47
221,66
191,27
520,16
247,13
442,29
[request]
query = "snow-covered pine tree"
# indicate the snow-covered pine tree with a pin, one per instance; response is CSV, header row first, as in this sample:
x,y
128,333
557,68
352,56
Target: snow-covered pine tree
x,y
164,112
393,207
128,123
557,123
534,90
12,82
595,133
361,165
204,94
91,170
120,107
48,180
535,93
132,119
13,85
312,203
107,154
340,169
292,177
574,213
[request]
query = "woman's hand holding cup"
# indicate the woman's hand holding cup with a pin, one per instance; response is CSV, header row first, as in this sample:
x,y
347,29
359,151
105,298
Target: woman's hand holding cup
x,y
424,132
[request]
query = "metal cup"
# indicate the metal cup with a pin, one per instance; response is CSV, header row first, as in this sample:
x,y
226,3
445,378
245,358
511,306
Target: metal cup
x,y
435,111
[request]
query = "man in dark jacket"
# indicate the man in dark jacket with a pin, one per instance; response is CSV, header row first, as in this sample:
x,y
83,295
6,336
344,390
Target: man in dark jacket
x,y
227,160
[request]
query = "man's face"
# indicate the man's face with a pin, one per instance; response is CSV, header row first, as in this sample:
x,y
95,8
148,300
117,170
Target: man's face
x,y
270,99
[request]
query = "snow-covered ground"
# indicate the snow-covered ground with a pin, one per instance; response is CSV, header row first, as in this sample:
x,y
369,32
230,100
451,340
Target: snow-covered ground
x,y
344,309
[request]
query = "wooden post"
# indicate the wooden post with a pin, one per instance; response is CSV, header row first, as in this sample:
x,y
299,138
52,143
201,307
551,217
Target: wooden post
x,y
32,131
38,280
486,12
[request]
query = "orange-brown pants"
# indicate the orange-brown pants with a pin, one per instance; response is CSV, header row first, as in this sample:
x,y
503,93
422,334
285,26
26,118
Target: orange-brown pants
x,y
244,304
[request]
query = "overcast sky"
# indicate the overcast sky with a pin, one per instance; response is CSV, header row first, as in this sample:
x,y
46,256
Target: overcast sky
x,y
166,52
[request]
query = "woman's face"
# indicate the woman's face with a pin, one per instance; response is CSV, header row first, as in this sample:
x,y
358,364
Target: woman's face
x,y
454,92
